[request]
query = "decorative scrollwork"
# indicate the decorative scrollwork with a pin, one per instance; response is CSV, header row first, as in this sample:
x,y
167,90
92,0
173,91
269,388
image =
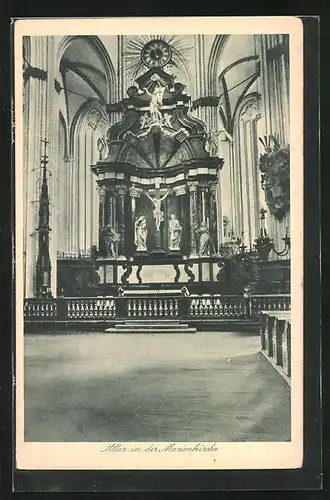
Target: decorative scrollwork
x,y
127,273
138,274
188,272
221,265
177,271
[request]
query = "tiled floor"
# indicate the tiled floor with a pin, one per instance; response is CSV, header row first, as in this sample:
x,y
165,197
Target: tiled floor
x,y
167,387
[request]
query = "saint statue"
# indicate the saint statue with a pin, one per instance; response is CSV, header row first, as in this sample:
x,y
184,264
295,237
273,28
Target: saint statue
x,y
158,213
212,142
175,233
102,147
206,245
111,239
156,102
140,234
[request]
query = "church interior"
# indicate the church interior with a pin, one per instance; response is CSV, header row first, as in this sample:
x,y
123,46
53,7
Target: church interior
x,y
156,237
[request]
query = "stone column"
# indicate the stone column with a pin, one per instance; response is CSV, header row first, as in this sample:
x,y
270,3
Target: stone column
x,y
134,193
180,193
213,188
69,161
111,206
102,216
121,194
201,204
192,186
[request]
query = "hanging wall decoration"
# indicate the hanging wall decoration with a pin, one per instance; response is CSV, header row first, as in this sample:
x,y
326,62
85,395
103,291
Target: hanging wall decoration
x,y
274,166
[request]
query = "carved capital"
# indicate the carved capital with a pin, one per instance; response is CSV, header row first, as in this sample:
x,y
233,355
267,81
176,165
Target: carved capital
x,y
121,190
135,192
179,190
102,192
111,189
213,186
192,186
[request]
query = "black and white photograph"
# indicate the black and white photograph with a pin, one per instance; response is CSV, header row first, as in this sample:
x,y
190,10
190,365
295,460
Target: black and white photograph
x,y
158,210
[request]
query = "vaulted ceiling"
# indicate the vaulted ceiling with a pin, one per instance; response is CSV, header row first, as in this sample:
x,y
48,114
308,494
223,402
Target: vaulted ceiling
x,y
83,76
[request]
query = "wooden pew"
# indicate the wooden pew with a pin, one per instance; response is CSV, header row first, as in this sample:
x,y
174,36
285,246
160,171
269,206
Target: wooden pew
x,y
275,338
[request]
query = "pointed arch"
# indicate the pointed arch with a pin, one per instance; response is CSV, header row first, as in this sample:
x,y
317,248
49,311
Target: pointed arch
x,y
80,116
65,129
218,46
103,54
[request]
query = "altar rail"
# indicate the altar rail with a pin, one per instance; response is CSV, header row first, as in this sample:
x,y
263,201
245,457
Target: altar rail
x,y
193,307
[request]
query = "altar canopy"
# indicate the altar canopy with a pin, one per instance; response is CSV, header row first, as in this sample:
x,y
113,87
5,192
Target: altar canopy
x,y
158,186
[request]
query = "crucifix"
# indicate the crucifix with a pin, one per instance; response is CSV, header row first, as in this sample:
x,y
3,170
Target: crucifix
x,y
158,215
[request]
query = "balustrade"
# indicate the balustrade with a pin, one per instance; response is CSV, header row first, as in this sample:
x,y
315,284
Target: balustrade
x,y
91,308
40,309
157,306
259,303
217,307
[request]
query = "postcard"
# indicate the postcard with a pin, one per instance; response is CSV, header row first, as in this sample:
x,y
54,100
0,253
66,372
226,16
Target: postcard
x,y
159,243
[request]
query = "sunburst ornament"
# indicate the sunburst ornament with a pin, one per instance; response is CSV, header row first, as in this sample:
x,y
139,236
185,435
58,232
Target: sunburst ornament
x,y
154,51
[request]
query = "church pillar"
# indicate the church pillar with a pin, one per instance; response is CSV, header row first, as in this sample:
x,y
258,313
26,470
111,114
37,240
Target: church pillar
x,y
102,213
111,206
134,193
213,213
69,160
193,216
202,204
121,194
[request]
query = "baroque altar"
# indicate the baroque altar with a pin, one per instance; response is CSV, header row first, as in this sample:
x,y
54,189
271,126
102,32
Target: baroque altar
x,y
158,186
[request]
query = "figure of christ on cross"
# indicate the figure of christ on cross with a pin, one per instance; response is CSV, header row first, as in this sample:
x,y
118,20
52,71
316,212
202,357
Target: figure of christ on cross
x,y
158,213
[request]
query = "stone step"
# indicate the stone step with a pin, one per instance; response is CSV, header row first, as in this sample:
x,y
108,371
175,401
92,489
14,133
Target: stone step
x,y
151,321
141,330
149,326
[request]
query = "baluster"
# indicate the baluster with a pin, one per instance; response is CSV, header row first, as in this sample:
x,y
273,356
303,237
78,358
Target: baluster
x,y
144,309
82,309
129,308
176,307
139,308
134,307
160,311
165,307
71,309
155,307
216,307
75,309
212,307
201,307
171,308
